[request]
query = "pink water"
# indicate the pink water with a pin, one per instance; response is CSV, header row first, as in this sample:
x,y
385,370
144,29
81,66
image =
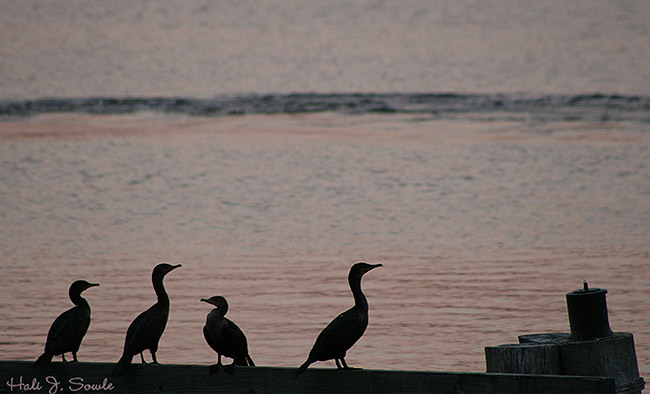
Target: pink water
x,y
482,227
204,48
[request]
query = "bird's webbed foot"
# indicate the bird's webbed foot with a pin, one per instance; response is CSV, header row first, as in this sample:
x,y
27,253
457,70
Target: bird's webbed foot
x,y
214,368
230,368
345,365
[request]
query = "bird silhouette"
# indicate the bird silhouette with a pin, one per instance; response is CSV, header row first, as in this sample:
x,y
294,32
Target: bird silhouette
x,y
68,330
224,336
145,331
346,329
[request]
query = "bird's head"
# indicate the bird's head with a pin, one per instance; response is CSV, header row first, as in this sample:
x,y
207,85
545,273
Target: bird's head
x,y
362,267
163,269
219,302
80,285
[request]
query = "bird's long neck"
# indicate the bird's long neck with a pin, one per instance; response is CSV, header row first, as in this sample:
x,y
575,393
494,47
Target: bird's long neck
x,y
360,301
159,288
219,312
78,300
223,309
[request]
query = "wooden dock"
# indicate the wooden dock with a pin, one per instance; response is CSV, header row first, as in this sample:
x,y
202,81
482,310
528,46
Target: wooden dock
x,y
19,377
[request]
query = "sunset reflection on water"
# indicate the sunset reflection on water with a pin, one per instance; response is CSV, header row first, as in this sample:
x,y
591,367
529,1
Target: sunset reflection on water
x,y
482,228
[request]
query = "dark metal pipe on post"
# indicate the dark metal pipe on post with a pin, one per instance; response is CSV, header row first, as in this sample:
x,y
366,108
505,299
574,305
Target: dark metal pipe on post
x,y
588,313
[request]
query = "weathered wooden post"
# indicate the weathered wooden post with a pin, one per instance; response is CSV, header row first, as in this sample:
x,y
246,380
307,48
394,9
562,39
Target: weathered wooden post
x,y
530,358
613,356
592,349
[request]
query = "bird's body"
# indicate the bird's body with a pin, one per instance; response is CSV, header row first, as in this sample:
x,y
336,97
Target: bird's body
x,y
339,336
346,329
69,328
145,331
224,336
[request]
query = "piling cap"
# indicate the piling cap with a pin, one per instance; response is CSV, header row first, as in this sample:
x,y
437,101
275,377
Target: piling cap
x,y
587,290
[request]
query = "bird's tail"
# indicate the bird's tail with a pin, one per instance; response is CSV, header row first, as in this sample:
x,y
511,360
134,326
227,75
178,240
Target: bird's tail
x,y
302,368
43,361
122,365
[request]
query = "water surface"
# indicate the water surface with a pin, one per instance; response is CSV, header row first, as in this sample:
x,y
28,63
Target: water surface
x,y
202,48
482,227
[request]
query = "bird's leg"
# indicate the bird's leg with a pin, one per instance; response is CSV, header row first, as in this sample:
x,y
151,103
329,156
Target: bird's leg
x,y
142,358
74,357
338,364
153,355
214,368
345,365
63,358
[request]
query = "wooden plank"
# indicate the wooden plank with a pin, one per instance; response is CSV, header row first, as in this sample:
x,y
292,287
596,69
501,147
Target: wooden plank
x,y
180,379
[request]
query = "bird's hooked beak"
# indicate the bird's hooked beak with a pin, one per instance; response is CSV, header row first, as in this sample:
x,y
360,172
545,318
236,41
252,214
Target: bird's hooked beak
x,y
173,267
207,300
88,286
373,266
